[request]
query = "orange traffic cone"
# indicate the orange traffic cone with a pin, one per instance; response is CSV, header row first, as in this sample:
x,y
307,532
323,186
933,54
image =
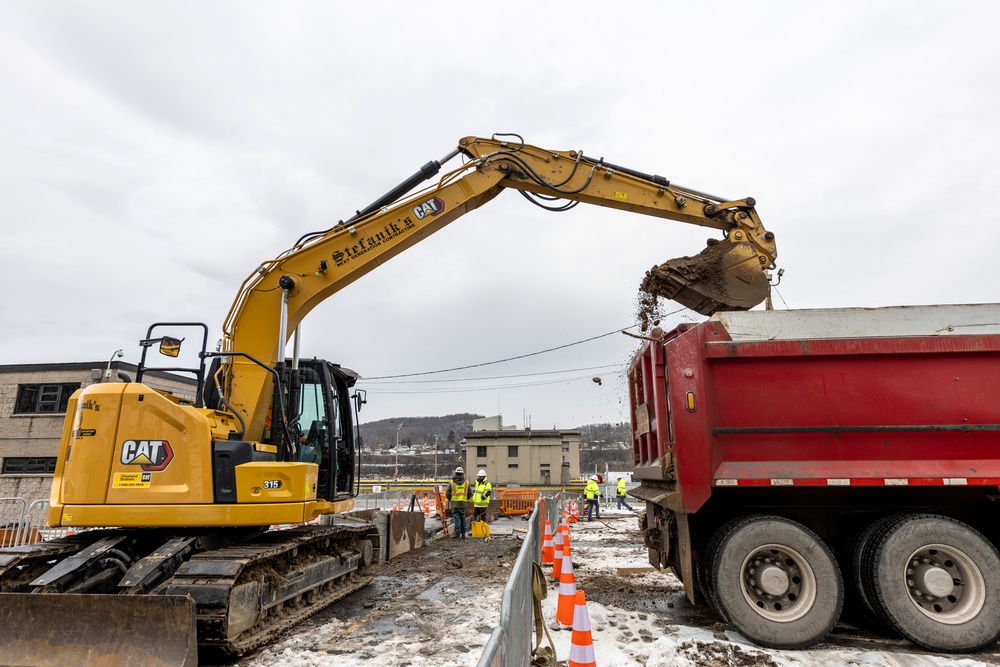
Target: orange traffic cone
x,y
581,650
557,554
427,509
574,515
548,548
567,590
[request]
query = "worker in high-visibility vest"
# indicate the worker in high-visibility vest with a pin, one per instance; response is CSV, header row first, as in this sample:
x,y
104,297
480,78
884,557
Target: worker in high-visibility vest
x,y
593,494
481,496
621,494
457,496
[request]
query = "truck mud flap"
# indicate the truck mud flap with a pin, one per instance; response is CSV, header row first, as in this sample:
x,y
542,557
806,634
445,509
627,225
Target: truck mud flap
x,y
98,630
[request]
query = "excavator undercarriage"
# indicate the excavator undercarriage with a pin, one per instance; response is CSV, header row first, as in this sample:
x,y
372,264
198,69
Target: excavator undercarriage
x,y
225,592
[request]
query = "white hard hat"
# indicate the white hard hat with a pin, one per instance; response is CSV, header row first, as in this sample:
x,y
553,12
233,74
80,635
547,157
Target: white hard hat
x,y
459,471
594,477
481,473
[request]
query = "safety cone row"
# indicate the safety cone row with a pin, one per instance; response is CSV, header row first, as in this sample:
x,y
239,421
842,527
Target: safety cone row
x,y
548,547
581,649
567,589
557,554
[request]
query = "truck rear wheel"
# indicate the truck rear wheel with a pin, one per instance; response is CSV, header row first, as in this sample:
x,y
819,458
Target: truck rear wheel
x,y
857,552
936,581
776,581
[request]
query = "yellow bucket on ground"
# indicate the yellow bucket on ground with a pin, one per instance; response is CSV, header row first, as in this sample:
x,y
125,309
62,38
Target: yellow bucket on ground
x,y
480,529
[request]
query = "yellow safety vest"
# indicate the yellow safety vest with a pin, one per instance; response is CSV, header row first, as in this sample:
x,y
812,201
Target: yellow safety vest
x,y
459,492
479,497
592,490
621,487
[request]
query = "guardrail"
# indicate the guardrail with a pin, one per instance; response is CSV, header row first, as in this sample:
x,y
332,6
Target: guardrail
x,y
509,644
23,523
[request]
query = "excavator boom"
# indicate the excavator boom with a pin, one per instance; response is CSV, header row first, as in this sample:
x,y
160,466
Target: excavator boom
x,y
726,275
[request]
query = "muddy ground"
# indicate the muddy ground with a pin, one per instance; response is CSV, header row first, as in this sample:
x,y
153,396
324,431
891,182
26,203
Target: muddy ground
x,y
438,606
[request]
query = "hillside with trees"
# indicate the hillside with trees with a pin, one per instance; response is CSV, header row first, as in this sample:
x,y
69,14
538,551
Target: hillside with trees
x,y
418,433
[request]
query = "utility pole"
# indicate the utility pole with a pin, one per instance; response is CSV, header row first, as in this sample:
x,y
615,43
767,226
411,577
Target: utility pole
x,y
397,449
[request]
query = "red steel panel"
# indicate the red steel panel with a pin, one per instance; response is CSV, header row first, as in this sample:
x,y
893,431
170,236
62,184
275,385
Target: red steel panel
x,y
804,411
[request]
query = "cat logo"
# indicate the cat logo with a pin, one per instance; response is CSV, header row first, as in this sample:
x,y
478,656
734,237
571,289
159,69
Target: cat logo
x,y
150,455
429,207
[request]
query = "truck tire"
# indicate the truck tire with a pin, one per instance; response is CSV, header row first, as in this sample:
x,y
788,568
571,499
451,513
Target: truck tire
x,y
857,550
936,581
776,581
704,573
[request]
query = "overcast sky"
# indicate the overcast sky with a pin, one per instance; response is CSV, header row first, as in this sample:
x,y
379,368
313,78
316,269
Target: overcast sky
x,y
152,154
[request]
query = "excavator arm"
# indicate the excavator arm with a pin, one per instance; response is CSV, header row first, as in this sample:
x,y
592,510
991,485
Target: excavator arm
x,y
273,300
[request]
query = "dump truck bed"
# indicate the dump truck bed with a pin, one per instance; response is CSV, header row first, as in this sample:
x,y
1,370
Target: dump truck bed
x,y
839,397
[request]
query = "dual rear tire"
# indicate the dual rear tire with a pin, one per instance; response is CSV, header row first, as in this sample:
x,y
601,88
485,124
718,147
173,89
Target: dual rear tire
x,y
930,578
774,580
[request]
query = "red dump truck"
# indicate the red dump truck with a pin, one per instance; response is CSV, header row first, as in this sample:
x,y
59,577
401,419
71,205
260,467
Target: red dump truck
x,y
793,461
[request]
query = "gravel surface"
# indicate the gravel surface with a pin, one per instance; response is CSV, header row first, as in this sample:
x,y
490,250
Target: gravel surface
x,y
438,606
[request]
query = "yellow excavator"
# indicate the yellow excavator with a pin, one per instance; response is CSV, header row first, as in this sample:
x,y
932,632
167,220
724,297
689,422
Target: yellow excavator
x,y
172,503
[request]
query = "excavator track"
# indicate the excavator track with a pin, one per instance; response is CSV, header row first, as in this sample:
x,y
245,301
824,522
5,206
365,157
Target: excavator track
x,y
248,594
223,600
19,566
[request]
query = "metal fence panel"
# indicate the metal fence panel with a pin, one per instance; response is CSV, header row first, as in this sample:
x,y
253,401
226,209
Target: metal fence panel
x,y
11,521
494,652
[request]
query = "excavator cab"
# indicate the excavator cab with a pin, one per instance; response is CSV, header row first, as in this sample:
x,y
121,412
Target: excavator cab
x,y
326,426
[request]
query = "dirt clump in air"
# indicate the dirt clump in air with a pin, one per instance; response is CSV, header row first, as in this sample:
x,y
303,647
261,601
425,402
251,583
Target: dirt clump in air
x,y
671,280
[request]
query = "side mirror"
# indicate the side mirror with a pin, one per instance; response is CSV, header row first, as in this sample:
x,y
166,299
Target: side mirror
x,y
360,398
170,347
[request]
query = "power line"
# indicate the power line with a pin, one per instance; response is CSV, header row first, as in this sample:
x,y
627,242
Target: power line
x,y
456,390
501,361
497,377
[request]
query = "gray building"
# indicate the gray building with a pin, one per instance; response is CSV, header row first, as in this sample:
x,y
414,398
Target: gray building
x,y
524,458
33,400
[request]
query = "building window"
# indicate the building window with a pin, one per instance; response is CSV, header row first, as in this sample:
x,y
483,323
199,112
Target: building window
x,y
43,398
481,452
22,465
546,465
565,446
512,452
511,465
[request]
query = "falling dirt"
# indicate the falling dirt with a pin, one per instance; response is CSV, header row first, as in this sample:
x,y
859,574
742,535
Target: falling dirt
x,y
687,280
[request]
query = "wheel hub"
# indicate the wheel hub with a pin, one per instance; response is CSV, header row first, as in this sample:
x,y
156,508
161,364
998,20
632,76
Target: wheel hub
x,y
773,580
778,583
932,580
944,584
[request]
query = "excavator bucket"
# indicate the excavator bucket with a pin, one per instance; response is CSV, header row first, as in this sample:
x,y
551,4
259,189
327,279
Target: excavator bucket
x,y
723,276
97,630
